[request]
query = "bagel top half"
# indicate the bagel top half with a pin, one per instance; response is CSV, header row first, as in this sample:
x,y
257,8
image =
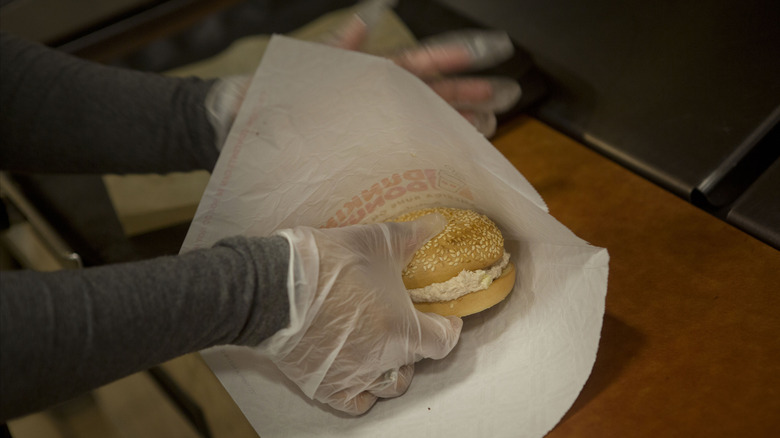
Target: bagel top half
x,y
470,241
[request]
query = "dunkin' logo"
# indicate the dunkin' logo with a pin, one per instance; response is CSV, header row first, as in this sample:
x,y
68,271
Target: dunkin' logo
x,y
395,188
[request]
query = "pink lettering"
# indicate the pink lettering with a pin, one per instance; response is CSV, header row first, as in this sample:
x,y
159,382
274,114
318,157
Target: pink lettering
x,y
431,174
376,189
395,181
414,175
371,206
417,186
361,213
353,204
395,192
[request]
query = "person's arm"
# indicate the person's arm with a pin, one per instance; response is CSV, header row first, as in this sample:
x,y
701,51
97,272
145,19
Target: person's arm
x,y
66,332
315,302
64,114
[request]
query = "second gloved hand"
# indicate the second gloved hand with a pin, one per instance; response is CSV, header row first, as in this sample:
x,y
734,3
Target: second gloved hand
x,y
354,334
436,59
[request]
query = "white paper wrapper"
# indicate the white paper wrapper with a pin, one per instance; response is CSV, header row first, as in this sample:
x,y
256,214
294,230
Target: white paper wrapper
x,y
328,137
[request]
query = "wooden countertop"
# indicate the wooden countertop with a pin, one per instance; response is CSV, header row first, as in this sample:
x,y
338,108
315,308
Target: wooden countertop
x,y
690,344
691,338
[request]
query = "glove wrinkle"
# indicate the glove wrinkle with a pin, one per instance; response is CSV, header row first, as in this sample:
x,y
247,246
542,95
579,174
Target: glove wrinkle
x,y
351,318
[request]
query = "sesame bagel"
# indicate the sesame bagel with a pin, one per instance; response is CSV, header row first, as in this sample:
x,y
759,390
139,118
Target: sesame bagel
x,y
462,270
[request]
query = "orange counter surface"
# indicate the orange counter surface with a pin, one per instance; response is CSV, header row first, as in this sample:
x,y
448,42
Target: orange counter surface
x,y
691,338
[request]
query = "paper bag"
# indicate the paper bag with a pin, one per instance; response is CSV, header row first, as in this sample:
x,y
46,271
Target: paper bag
x,y
329,138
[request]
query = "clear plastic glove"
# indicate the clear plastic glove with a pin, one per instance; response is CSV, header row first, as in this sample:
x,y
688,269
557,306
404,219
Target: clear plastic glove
x,y
223,102
354,334
478,99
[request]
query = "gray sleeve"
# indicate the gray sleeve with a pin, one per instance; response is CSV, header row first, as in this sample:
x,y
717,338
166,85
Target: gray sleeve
x,y
66,332
64,114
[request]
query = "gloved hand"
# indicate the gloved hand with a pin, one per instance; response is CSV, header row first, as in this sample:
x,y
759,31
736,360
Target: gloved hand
x,y
478,99
223,102
354,334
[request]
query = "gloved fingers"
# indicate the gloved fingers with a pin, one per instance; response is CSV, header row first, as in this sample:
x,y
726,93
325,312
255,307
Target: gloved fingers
x,y
411,236
357,28
485,47
353,405
222,103
485,122
427,62
438,335
455,52
393,383
490,94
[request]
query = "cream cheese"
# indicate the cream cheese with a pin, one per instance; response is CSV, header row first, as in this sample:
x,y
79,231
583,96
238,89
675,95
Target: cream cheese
x,y
462,284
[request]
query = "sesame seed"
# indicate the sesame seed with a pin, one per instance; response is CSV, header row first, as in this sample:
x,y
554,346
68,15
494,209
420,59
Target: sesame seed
x,y
468,238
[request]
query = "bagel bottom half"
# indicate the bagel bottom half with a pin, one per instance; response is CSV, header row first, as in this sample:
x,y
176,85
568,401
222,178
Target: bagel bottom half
x,y
474,302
